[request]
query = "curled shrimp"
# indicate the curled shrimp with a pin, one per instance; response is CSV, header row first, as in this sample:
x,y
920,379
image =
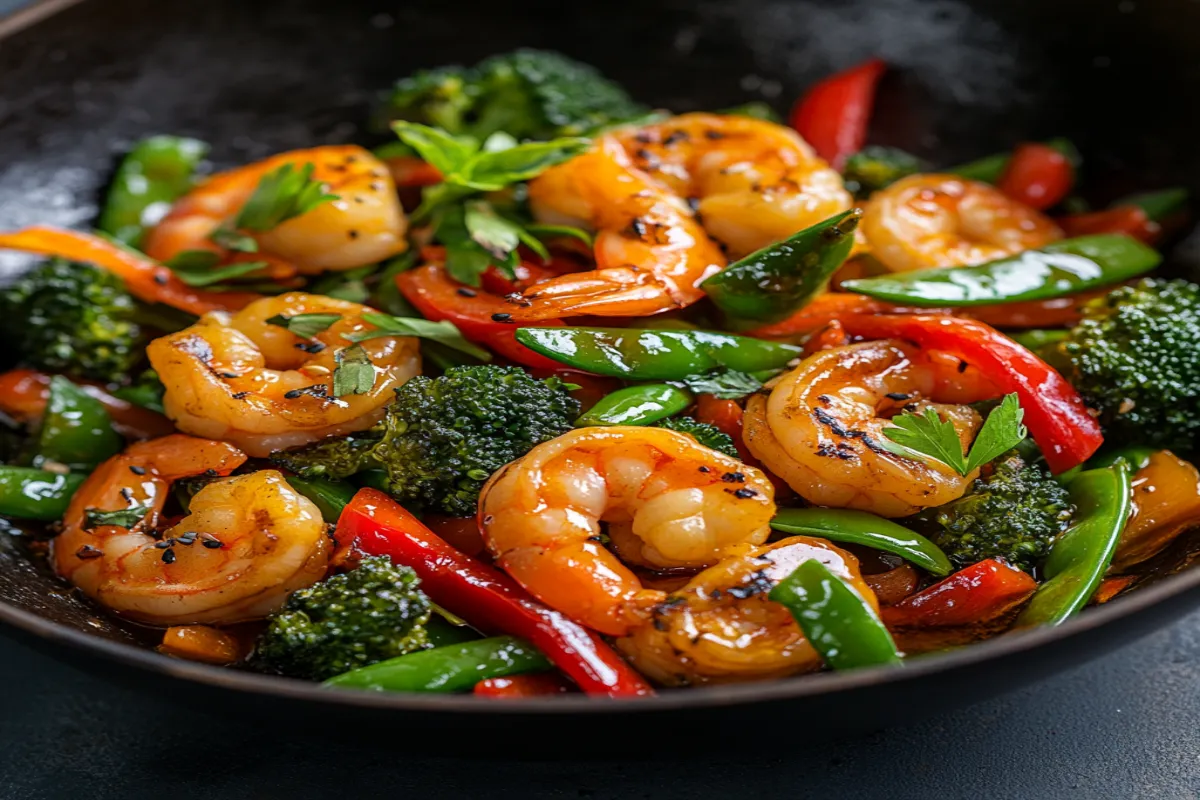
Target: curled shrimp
x,y
722,628
245,544
669,503
752,182
241,379
821,425
932,220
363,225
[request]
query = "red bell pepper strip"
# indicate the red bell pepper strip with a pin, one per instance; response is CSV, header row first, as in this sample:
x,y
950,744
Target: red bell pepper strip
x,y
439,297
1130,220
833,115
146,279
486,598
980,593
1038,176
1054,412
536,684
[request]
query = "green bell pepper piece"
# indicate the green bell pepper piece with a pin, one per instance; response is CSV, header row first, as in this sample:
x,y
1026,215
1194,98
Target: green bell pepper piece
x,y
655,355
637,405
1080,556
861,527
1157,205
27,493
770,284
837,621
76,429
154,174
990,168
329,496
1055,270
452,668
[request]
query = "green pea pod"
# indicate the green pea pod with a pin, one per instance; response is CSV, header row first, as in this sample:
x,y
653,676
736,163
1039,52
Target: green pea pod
x,y
655,355
637,405
860,527
452,668
76,429
27,493
990,168
836,620
1136,456
1055,270
328,495
768,285
1080,556
443,634
156,172
1157,205
1036,339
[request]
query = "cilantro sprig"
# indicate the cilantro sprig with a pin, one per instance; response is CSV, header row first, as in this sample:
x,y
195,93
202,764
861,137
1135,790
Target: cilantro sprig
x,y
305,326
929,436
282,194
121,518
444,332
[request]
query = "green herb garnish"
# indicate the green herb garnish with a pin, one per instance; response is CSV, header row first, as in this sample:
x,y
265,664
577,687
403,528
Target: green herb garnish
x,y
928,436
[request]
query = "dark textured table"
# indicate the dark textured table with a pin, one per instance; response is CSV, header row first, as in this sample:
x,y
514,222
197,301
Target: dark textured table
x,y
1123,726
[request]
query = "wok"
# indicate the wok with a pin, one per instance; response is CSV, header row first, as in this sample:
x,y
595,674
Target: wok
x,y
253,78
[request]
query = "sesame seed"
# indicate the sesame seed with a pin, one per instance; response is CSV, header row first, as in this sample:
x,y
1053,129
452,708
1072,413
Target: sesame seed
x,y
745,493
502,317
136,470
168,556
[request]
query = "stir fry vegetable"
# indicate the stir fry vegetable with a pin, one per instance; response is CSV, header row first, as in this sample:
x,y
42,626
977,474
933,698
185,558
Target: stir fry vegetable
x,y
151,176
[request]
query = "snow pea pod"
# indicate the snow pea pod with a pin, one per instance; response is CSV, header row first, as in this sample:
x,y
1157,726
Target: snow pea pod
x,y
1157,205
860,527
27,493
637,405
990,168
451,668
156,172
1136,456
1037,338
1055,270
328,495
655,355
836,620
770,284
76,429
1080,556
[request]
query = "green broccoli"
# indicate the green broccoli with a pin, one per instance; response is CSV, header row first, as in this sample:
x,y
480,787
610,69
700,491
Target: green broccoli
x,y
1135,357
1013,513
708,435
529,94
349,621
74,319
443,437
874,168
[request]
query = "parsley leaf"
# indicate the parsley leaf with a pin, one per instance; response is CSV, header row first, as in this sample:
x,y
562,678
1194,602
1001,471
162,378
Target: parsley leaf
x,y
492,232
1001,431
305,326
122,518
929,436
199,268
725,384
282,194
354,374
550,231
444,332
231,239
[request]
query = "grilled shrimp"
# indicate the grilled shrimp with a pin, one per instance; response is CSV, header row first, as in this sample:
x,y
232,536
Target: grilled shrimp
x,y
928,221
246,543
721,627
752,182
650,251
364,225
669,502
821,425
238,378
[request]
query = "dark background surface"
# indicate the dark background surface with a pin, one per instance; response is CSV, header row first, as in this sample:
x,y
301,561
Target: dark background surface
x,y
1122,726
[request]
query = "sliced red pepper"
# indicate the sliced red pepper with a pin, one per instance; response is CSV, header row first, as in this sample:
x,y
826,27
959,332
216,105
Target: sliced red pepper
x,y
1038,176
485,597
1130,220
537,684
439,297
978,594
833,115
1055,414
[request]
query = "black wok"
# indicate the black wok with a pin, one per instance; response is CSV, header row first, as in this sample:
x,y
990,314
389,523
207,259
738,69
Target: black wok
x,y
256,77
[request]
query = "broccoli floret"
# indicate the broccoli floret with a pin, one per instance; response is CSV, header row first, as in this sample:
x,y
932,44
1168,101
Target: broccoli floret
x,y
74,319
1014,513
708,435
1135,357
443,437
874,168
349,621
530,94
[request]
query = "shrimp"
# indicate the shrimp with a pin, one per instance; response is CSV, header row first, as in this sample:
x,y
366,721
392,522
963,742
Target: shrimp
x,y
363,225
821,425
928,221
721,627
650,251
245,544
669,502
752,182
241,379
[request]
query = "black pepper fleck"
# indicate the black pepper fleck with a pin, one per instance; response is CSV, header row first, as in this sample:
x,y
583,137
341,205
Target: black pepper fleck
x,y
168,556
465,292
